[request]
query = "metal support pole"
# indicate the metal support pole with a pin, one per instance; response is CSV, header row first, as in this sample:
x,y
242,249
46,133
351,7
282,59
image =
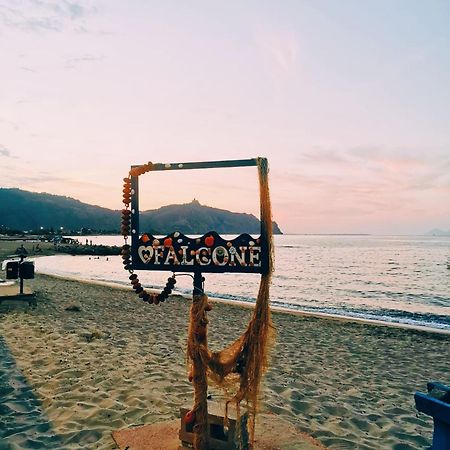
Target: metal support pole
x,y
20,275
198,283
199,368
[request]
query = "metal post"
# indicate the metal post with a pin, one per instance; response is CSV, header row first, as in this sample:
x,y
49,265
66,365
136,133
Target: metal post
x,y
198,283
199,374
20,274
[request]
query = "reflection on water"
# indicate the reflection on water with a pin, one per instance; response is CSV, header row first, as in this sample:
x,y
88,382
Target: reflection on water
x,y
394,278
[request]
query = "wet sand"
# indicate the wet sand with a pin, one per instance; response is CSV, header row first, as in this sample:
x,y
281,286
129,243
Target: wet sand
x,y
117,363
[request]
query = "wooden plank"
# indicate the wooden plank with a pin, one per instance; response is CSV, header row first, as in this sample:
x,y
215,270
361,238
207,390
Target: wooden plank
x,y
204,164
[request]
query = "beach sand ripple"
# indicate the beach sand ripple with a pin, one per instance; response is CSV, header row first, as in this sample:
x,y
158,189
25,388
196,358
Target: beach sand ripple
x,y
117,363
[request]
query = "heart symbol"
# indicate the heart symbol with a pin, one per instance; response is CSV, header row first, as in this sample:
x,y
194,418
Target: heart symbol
x,y
145,253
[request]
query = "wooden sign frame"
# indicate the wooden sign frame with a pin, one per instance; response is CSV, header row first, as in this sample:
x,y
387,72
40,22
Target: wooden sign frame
x,y
210,253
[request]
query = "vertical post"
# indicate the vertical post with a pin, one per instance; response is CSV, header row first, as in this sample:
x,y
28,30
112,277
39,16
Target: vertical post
x,y
198,338
198,283
20,275
134,217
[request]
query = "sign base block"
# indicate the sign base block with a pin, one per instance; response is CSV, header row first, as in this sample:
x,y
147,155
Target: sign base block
x,y
272,433
9,292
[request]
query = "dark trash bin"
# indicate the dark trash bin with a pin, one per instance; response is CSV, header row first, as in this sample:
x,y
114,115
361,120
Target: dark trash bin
x,y
436,403
26,270
12,270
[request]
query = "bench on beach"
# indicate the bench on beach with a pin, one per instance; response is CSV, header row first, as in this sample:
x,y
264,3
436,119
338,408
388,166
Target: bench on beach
x,y
436,403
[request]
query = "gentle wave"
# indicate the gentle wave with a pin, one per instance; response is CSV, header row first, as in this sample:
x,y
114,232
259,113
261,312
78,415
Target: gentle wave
x,y
346,276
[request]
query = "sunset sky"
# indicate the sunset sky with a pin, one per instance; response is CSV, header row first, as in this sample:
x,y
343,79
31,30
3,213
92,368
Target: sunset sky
x,y
349,101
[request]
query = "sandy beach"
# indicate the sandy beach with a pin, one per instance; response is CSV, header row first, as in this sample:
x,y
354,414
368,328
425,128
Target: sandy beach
x,y
69,378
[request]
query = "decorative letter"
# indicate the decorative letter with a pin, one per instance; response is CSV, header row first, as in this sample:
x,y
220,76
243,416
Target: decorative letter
x,y
171,254
159,252
240,258
185,261
254,256
220,252
201,258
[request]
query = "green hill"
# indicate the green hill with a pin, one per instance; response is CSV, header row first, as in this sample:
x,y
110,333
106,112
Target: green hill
x,y
23,210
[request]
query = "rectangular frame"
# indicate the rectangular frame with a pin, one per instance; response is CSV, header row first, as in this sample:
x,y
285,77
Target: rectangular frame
x,y
256,264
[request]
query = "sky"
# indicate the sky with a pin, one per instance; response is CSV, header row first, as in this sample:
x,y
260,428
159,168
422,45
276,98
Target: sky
x,y
348,100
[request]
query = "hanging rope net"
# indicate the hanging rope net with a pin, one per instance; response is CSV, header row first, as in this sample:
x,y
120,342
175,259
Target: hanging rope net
x,y
238,368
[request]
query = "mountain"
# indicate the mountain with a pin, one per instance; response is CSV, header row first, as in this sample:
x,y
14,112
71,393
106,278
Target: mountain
x,y
23,210
194,218
438,232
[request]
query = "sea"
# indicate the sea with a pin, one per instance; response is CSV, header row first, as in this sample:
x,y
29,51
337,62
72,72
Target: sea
x,y
397,279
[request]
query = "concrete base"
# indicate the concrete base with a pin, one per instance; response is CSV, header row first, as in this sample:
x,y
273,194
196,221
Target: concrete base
x,y
30,298
272,433
8,288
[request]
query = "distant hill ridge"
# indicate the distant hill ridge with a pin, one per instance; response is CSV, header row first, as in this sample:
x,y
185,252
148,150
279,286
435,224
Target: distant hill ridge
x,y
24,210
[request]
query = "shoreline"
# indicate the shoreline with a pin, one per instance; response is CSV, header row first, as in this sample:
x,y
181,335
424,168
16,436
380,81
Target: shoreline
x,y
274,309
420,316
